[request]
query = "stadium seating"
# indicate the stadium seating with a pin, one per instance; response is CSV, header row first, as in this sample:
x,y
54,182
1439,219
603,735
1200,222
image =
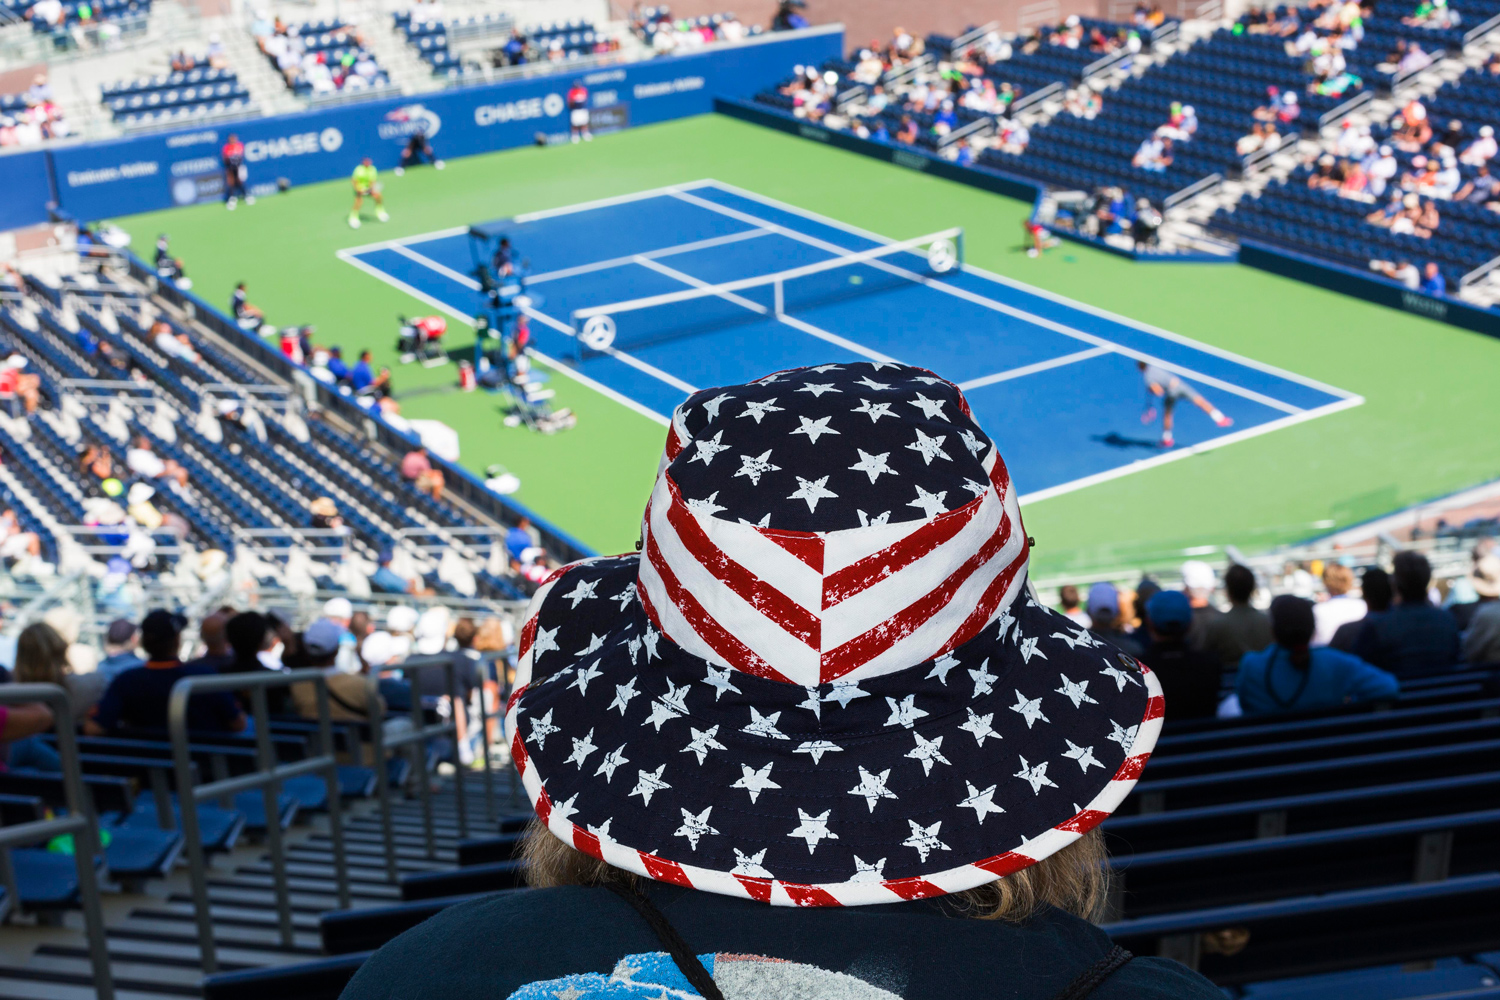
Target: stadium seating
x,y
175,96
433,41
338,50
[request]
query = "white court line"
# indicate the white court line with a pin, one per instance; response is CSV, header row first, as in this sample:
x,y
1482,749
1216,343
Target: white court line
x,y
1155,331
1000,307
688,279
604,265
542,317
619,199
1197,449
576,376
1040,366
420,238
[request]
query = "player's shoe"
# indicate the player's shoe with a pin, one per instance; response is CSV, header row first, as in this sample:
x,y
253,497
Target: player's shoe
x,y
575,138
588,137
249,199
232,204
400,171
438,164
1220,419
353,221
1166,440
383,215
1033,252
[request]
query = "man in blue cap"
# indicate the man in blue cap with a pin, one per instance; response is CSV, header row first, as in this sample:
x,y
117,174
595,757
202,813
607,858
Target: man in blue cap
x,y
1189,678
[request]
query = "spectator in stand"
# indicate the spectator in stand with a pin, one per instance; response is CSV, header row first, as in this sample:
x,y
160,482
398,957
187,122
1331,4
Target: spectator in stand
x,y
137,698
1483,579
218,654
337,367
1411,130
249,635
1403,271
1482,150
16,543
1481,189
416,468
347,695
417,147
1482,636
1414,638
360,376
387,581
1154,154
1190,678
246,315
1341,608
1106,619
144,462
218,56
120,654
16,382
1433,282
1199,584
325,513
42,658
20,725
1375,589
1294,676
1067,597
1242,629
1381,169
233,158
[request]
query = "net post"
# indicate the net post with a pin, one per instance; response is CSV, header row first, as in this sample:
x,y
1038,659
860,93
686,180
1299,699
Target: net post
x,y
958,242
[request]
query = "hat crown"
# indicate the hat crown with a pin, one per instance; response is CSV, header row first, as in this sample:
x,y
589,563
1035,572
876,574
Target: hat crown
x,y
833,522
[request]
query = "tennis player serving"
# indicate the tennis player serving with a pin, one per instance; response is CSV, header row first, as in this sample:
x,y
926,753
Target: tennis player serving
x,y
1169,388
365,183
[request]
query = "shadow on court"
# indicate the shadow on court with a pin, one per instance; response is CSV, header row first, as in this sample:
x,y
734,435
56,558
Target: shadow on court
x,y
1115,439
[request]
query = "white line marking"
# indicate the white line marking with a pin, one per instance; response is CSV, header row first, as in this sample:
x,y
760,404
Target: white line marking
x,y
432,265
1040,366
1197,449
836,340
688,279
421,238
604,265
1021,314
1156,331
576,376
619,199
631,360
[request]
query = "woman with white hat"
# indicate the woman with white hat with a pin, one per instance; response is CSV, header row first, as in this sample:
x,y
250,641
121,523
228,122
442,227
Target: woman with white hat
x,y
815,721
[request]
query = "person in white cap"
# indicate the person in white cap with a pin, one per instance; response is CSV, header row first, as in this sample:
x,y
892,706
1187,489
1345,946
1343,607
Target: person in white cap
x,y
1482,149
347,693
19,384
400,621
1199,582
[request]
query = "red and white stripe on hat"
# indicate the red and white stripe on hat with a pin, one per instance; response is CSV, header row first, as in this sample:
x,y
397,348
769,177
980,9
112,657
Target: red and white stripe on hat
x,y
813,607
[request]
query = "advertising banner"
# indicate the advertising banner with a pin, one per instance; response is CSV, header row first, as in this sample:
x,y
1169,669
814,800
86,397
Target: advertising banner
x,y
23,178
124,176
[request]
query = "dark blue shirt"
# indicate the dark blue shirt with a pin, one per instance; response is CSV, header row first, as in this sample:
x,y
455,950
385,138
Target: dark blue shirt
x,y
360,376
1410,640
1435,285
337,368
524,944
137,699
518,540
1268,683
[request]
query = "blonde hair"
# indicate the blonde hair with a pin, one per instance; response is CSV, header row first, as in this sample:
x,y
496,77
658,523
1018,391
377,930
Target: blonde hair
x,y
41,655
1075,879
1338,578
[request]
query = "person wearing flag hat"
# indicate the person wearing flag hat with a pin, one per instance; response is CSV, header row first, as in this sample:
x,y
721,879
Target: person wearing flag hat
x,y
817,716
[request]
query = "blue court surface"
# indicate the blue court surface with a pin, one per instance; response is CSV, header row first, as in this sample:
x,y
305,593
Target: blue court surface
x,y
1055,382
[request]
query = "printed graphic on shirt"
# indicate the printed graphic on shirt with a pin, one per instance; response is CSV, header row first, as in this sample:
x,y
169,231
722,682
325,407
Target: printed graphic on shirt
x,y
654,976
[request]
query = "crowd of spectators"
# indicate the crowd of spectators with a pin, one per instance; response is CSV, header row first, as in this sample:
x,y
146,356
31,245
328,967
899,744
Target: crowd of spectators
x,y
347,66
32,117
525,48
668,35
1328,641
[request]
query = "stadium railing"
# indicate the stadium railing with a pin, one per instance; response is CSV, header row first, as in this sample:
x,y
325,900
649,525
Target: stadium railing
x,y
1263,729
267,778
80,823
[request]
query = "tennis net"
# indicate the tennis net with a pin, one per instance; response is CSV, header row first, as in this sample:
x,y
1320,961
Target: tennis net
x,y
704,306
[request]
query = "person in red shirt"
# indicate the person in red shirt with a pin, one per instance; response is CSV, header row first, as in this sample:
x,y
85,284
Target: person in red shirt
x,y
233,155
578,111
14,383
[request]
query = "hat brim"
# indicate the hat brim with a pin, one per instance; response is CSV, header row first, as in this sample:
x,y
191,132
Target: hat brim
x,y
922,782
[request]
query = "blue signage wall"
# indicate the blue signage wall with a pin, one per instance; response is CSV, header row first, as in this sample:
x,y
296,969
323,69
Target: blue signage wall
x,y
179,168
23,178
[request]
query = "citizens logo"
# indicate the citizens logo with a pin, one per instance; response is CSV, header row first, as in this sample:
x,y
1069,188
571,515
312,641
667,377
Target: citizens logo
x,y
410,120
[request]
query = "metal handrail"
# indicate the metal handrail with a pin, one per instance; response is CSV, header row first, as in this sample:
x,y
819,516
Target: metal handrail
x,y
1103,63
1479,272
1404,77
1256,160
1035,97
419,734
268,777
976,127
80,822
1342,111
1480,30
1192,191
973,35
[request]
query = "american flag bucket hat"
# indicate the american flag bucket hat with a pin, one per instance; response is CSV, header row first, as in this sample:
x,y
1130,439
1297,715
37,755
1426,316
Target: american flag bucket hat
x,y
823,680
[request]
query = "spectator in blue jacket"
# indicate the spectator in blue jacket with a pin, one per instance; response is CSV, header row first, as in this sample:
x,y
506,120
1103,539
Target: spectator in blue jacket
x,y
360,376
1414,638
337,367
1290,676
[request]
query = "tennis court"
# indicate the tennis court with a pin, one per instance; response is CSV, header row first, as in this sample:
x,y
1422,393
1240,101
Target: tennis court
x,y
1054,381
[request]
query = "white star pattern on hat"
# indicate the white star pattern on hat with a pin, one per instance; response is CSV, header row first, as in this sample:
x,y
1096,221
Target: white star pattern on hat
x,y
812,491
611,760
866,521
844,692
925,838
749,865
1120,677
872,787
581,749
1030,709
984,681
817,748
648,783
905,712
812,703
694,827
759,410
971,442
932,409
818,389
980,726
930,503
546,639
928,751
1077,693
1029,648
712,406
975,487
753,467
704,508
941,666
872,465
596,643
754,781
983,803
702,742
542,728
708,448
672,705
650,639
623,694
1035,776
870,383
874,410
864,871
1121,735
581,681
718,679
1084,755
625,597
582,591
563,810
929,447
1075,639
764,725
814,429
813,829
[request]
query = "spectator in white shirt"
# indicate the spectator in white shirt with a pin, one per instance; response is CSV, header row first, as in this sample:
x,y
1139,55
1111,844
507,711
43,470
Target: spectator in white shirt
x,y
145,462
1381,170
1341,606
1405,272
1481,150
1448,179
